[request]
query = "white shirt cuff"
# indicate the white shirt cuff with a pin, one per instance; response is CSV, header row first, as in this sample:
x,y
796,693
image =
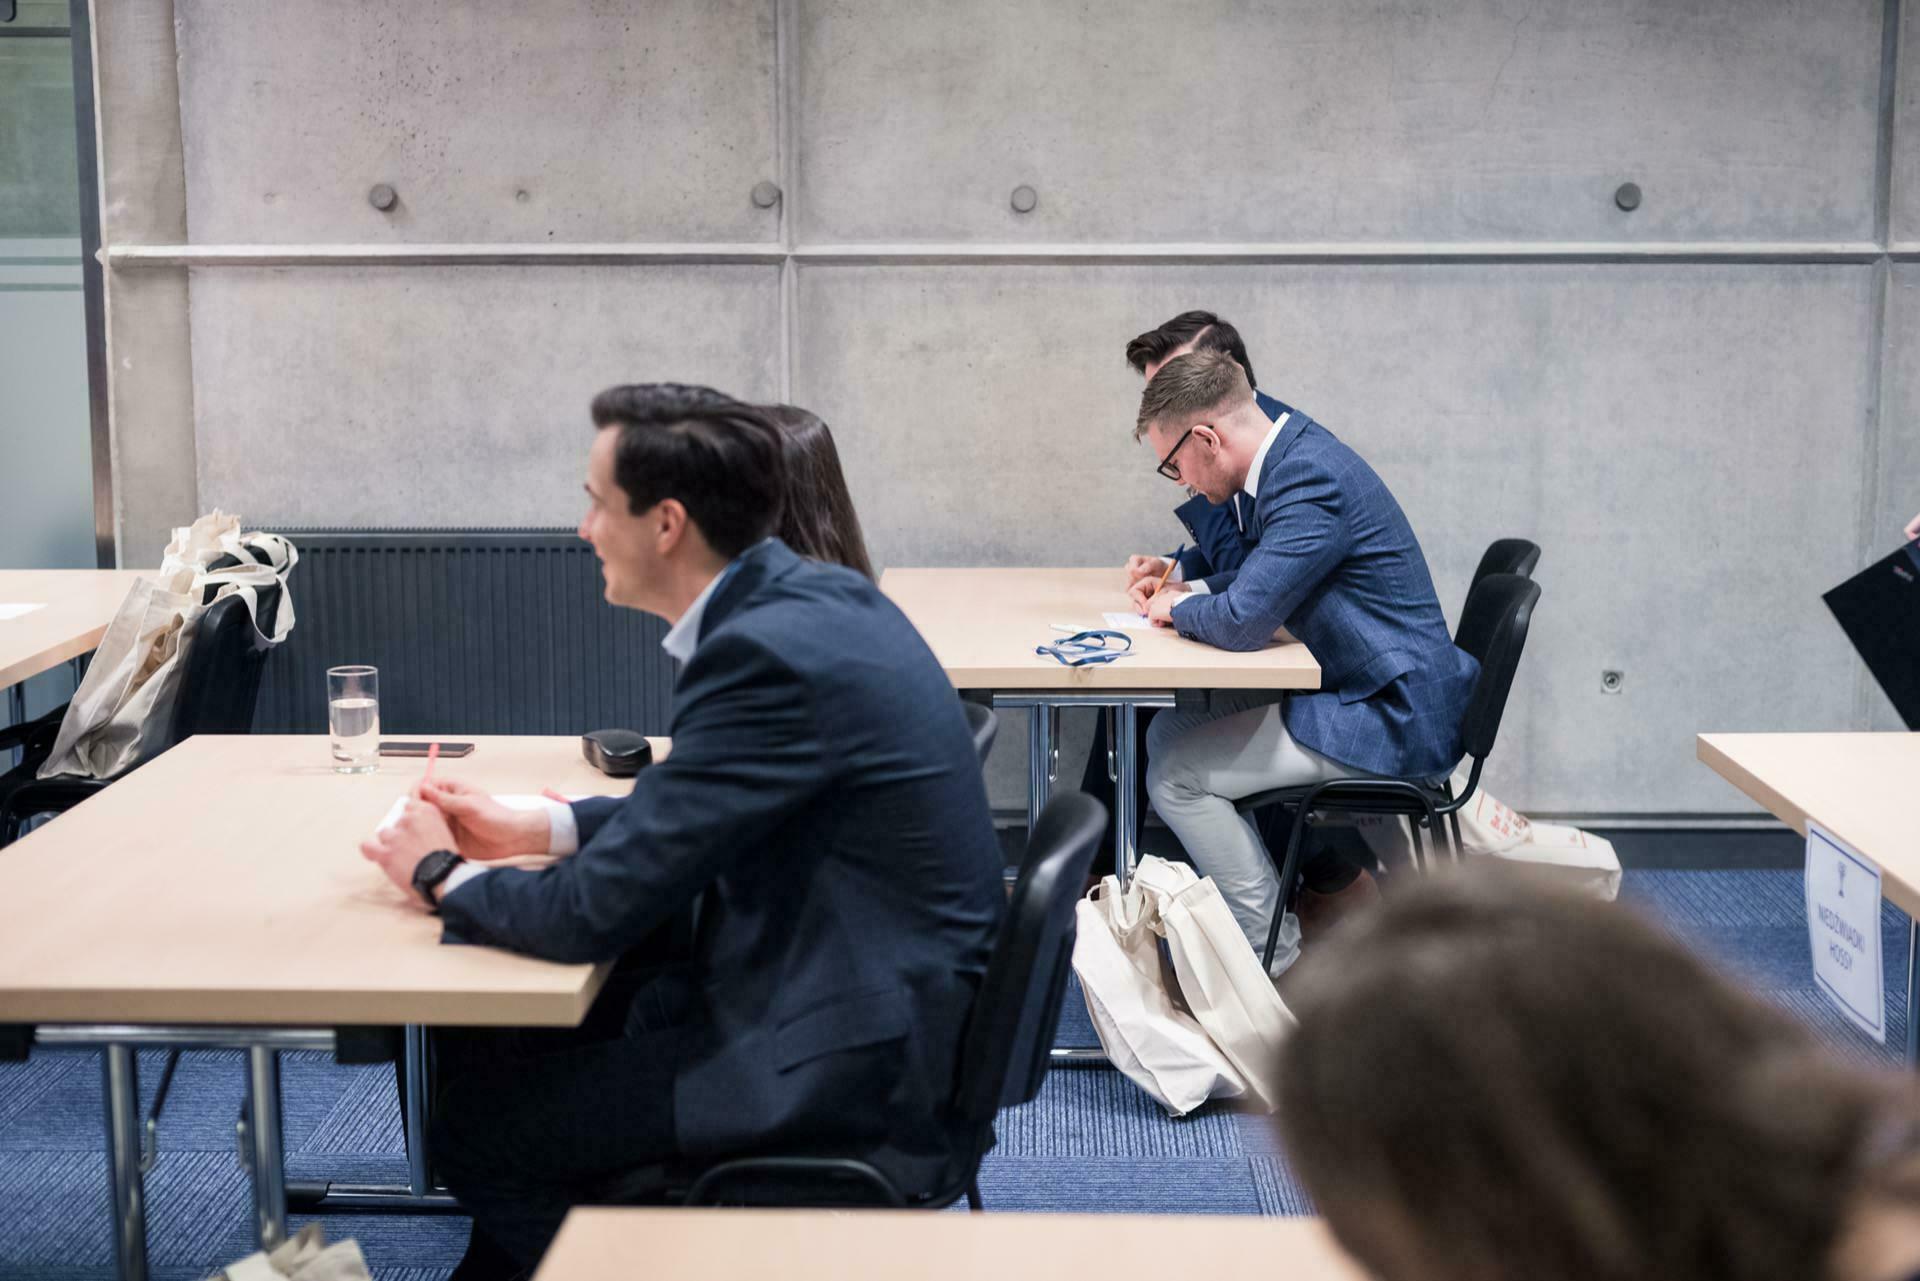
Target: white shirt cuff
x,y
460,876
563,834
1179,574
1198,587
563,837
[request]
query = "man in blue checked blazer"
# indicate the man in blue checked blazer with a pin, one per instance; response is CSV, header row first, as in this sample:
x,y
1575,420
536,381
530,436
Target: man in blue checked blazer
x,y
1333,561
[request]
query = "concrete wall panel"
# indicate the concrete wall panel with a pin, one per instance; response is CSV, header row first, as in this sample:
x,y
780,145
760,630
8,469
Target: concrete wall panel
x,y
1686,443
1906,132
1302,121
1898,464
448,396
562,121
143,200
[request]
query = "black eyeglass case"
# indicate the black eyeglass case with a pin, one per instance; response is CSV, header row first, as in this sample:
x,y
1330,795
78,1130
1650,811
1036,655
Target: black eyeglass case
x,y
617,753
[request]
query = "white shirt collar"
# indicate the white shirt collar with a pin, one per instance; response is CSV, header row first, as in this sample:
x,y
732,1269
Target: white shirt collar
x,y
1252,487
685,634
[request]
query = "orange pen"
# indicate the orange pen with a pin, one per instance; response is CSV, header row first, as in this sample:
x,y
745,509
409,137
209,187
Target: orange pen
x,y
1172,561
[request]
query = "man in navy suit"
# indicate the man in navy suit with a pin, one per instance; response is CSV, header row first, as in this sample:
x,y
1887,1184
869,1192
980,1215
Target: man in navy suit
x,y
1215,541
1336,564
821,816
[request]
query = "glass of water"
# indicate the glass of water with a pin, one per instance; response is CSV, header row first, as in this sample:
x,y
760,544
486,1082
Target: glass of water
x,y
353,718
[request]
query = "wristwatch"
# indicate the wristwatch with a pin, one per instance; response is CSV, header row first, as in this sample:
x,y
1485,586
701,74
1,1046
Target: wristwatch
x,y
430,871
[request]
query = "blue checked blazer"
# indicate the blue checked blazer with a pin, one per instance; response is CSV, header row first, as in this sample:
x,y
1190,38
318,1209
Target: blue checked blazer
x,y
1336,563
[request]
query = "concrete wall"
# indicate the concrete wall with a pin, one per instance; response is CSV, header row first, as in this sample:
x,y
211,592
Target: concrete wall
x,y
1702,408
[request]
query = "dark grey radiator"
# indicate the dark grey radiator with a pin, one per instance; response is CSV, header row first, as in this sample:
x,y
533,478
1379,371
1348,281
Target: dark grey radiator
x,y
479,631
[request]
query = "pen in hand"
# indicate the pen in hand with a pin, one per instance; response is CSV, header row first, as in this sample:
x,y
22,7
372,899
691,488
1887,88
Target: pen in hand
x,y
1168,573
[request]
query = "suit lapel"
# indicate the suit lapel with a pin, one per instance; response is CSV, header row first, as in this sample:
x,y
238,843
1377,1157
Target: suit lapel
x,y
1269,467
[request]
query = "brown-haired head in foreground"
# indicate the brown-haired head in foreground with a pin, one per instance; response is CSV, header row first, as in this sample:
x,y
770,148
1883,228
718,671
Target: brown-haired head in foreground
x,y
1196,384
818,519
1494,1080
1202,329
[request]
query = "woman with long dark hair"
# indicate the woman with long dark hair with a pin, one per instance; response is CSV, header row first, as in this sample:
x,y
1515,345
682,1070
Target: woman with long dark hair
x,y
819,521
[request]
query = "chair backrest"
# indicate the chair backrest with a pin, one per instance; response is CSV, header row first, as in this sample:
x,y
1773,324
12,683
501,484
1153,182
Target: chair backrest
x,y
1506,556
984,725
1009,1040
1493,628
222,681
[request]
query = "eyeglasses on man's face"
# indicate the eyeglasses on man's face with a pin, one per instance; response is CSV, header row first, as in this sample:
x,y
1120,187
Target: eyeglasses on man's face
x,y
1169,468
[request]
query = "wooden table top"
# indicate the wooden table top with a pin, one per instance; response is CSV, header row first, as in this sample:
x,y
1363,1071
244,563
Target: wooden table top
x,y
223,883
605,1244
983,625
79,605
1853,785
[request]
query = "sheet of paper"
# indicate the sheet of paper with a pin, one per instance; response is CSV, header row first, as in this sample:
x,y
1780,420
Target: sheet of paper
x,y
511,801
1843,923
1128,622
9,612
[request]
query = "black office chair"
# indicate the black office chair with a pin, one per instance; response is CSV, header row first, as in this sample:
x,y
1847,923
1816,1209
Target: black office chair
x,y
1493,628
217,695
1506,556
984,724
1003,1057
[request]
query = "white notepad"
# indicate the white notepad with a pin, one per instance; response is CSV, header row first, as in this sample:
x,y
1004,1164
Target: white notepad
x,y
9,612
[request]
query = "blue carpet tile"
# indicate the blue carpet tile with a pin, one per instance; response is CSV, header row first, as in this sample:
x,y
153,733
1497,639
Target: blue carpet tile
x,y
1090,1142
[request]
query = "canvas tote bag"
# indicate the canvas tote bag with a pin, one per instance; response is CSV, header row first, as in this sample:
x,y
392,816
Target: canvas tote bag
x,y
125,704
1491,829
1148,1034
1220,978
304,1257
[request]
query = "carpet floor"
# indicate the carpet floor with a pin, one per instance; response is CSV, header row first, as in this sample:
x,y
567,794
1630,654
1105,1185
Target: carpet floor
x,y
1090,1142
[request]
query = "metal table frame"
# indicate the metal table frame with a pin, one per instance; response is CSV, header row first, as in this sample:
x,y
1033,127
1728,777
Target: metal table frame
x,y
1913,976
1122,708
262,1146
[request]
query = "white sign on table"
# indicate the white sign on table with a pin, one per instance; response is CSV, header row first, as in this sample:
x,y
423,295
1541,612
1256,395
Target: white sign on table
x,y
1843,922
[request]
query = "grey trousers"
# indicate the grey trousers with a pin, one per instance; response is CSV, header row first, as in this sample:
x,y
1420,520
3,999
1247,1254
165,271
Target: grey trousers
x,y
1198,765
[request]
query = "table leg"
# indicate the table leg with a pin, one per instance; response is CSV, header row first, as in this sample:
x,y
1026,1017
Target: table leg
x,y
1913,974
17,714
264,1155
1125,822
419,1166
127,1200
1043,722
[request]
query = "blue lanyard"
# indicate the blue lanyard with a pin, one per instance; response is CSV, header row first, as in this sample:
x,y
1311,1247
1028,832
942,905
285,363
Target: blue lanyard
x,y
1082,648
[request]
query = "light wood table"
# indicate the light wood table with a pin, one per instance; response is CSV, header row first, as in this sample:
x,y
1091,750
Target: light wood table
x,y
1853,785
76,606
882,1245
79,603
217,896
984,625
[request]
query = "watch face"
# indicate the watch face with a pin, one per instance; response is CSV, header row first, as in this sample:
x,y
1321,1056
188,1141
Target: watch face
x,y
435,868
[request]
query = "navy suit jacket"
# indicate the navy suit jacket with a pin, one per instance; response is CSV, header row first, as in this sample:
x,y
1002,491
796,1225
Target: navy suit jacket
x,y
1336,564
824,803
